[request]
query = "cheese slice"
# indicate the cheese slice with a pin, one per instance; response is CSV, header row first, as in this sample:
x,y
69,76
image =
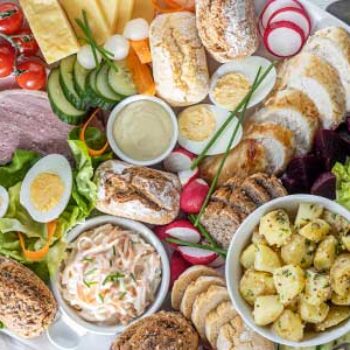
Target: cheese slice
x,y
144,9
97,20
51,29
110,9
126,8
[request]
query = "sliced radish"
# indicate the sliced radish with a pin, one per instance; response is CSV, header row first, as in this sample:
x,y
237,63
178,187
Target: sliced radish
x,y
186,176
218,262
273,5
197,256
284,39
178,265
193,196
294,15
179,160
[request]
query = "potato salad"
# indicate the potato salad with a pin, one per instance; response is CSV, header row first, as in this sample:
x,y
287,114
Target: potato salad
x,y
296,271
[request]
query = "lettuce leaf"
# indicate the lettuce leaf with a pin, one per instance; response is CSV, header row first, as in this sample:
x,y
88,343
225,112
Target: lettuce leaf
x,y
342,173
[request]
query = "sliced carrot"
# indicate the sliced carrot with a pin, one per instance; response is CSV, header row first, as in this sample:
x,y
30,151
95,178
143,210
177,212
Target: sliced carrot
x,y
40,254
142,50
169,9
92,152
141,74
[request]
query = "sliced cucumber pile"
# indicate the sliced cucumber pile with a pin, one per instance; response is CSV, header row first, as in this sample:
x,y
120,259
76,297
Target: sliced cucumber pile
x,y
102,86
120,80
80,75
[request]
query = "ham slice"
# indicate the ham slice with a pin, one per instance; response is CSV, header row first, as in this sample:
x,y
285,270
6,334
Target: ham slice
x,y
27,122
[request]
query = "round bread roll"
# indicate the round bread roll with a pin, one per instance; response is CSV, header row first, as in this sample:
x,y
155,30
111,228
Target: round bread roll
x,y
27,306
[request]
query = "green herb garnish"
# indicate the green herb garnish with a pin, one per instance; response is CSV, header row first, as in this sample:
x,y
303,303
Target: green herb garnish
x,y
88,259
113,277
101,297
89,284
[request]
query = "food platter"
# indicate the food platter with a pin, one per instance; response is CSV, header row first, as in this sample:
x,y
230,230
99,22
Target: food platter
x,y
155,218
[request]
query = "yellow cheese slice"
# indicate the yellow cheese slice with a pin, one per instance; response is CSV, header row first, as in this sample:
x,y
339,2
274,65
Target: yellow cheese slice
x,y
51,29
144,9
95,15
126,8
110,9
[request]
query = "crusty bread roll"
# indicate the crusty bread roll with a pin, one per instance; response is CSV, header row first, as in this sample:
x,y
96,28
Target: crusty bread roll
x,y
27,306
228,28
179,62
137,193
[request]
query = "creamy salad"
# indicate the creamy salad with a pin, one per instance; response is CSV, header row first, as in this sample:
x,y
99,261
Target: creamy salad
x,y
111,275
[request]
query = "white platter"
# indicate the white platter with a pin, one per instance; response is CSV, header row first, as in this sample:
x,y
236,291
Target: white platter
x,y
320,19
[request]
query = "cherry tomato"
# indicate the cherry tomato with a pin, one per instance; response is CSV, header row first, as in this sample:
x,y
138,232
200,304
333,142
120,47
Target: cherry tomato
x,y
31,75
26,42
11,18
7,59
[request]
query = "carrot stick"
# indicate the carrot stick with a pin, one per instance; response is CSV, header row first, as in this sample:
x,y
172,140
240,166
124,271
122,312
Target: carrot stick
x,y
142,50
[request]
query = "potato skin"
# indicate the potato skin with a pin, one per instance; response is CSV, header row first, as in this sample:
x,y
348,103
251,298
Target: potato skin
x,y
325,254
339,300
317,287
336,315
315,230
340,275
289,326
312,313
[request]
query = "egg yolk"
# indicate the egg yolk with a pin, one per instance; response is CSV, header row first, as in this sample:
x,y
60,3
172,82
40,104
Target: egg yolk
x,y
46,191
197,123
230,90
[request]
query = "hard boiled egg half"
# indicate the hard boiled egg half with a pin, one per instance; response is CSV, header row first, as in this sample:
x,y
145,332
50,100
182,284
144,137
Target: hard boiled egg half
x,y
233,80
4,201
199,123
47,187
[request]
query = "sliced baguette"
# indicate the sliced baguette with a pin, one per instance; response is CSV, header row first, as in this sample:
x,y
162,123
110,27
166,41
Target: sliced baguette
x,y
295,111
205,303
190,275
200,285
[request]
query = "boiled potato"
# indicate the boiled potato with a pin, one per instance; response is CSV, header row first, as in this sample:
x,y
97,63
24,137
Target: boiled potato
x,y
340,275
267,309
339,225
325,254
312,313
248,256
257,238
315,230
317,287
294,304
266,259
255,283
298,251
275,227
289,326
289,281
306,213
339,300
346,242
336,315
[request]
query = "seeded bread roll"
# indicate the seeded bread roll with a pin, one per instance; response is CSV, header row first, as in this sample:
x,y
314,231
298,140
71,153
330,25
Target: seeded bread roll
x,y
228,28
179,62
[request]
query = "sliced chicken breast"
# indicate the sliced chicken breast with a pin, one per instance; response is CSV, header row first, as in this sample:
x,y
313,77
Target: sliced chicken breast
x,y
295,111
333,45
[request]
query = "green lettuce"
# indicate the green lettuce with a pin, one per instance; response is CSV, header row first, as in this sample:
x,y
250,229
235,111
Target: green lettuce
x,y
342,173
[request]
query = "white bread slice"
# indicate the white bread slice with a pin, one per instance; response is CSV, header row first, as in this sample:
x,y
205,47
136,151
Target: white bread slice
x,y
278,142
190,275
320,82
295,111
204,304
200,285
225,337
216,319
333,45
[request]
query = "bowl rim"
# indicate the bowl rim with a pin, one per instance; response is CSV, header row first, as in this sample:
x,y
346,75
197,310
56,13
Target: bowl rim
x,y
233,268
114,115
150,238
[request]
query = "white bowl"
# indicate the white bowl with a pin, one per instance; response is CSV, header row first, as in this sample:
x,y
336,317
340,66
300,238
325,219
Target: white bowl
x,y
149,237
114,115
233,269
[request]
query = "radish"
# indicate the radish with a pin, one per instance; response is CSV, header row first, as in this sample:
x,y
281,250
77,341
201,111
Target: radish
x,y
218,262
294,15
179,160
178,265
197,256
273,5
284,39
186,176
193,196
180,229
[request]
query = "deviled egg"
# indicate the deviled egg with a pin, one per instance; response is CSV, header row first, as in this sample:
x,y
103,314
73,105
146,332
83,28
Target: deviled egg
x,y
199,123
4,201
47,187
233,80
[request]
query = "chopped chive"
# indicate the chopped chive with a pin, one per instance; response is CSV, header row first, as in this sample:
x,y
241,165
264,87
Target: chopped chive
x,y
113,277
88,260
101,297
133,277
114,252
90,272
89,284
122,296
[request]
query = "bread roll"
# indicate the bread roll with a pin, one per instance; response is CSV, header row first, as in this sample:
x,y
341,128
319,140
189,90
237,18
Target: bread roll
x,y
137,193
228,28
179,63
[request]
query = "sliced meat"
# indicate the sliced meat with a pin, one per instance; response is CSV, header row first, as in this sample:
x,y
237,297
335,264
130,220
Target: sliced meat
x,y
257,193
31,124
333,45
222,194
271,184
233,182
242,202
295,111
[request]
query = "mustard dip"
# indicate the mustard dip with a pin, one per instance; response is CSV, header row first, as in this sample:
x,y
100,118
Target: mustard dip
x,y
143,130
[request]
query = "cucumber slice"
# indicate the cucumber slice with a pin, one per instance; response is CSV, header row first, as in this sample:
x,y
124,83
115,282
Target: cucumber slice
x,y
59,103
67,82
80,75
120,80
102,85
